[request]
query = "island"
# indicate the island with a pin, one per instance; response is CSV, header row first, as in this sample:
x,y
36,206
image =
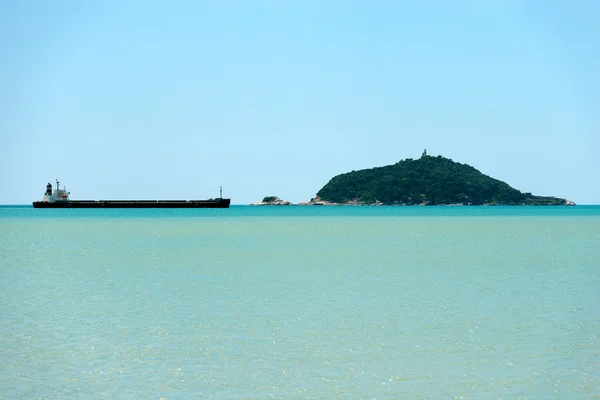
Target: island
x,y
429,180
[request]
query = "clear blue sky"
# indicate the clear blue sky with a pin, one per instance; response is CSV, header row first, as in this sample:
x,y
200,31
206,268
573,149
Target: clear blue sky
x,y
145,99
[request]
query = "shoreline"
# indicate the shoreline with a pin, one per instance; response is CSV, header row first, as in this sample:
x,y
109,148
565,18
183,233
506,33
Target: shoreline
x,y
539,201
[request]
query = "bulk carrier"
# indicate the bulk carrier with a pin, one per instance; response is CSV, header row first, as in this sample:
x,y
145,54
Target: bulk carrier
x,y
59,198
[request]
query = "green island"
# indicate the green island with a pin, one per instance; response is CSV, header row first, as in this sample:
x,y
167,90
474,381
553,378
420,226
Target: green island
x,y
429,180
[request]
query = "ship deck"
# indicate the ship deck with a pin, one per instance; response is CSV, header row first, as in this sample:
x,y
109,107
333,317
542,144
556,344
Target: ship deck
x,y
212,203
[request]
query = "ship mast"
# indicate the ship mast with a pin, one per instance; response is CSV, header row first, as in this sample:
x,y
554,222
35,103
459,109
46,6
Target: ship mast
x,y
220,192
57,183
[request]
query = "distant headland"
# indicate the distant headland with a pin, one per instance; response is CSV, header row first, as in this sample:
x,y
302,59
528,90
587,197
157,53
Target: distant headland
x,y
429,180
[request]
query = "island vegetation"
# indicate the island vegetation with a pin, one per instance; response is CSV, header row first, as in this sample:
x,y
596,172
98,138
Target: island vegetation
x,y
428,180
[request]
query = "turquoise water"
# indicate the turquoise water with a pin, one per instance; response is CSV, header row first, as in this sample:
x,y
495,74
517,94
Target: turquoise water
x,y
301,302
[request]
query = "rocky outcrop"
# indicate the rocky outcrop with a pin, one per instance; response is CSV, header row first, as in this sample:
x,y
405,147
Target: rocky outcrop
x,y
317,201
546,201
272,201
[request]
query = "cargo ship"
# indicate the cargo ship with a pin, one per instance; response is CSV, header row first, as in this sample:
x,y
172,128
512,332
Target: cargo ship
x,y
59,198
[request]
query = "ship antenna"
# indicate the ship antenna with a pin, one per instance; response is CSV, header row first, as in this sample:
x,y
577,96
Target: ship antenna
x,y
220,192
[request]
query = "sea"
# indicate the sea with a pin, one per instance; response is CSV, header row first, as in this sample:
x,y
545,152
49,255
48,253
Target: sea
x,y
300,303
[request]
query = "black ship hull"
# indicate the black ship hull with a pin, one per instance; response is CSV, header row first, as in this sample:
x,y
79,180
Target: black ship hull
x,y
213,203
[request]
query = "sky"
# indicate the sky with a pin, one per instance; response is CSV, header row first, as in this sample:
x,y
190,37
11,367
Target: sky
x,y
171,100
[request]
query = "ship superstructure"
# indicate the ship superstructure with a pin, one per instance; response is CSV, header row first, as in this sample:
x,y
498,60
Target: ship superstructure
x,y
57,195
